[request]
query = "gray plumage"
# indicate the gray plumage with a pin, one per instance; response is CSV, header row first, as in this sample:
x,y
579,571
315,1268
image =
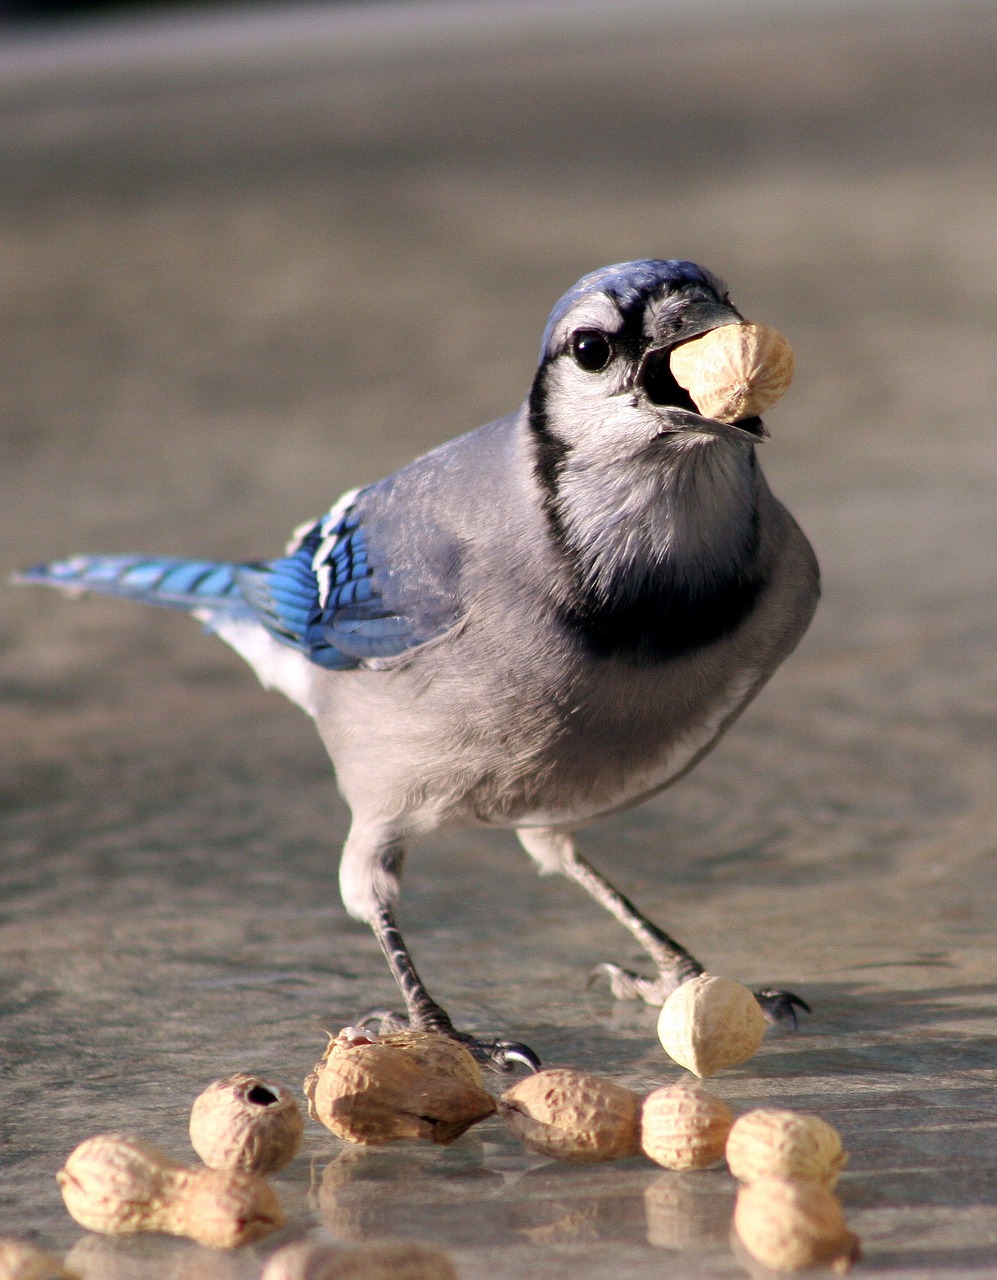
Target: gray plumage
x,y
539,623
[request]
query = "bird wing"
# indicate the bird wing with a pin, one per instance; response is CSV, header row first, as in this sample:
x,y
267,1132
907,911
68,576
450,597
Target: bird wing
x,y
347,594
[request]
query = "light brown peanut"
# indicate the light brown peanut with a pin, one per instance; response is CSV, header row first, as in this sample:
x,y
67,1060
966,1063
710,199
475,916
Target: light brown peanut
x,y
709,1023
733,372
386,1090
789,1226
243,1122
21,1261
684,1126
573,1116
775,1143
120,1185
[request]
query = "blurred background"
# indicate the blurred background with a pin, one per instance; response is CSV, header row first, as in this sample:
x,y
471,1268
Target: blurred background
x,y
252,256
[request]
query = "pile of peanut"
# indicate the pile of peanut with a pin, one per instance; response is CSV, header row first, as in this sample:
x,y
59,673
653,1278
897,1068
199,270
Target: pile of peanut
x,y
787,1162
370,1089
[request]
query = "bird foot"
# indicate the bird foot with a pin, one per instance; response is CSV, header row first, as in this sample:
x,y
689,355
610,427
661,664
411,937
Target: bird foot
x,y
500,1055
624,984
779,1007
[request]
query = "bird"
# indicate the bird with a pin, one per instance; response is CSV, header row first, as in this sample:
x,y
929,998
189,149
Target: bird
x,y
536,624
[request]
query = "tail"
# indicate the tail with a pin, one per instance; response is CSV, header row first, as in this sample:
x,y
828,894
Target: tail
x,y
177,584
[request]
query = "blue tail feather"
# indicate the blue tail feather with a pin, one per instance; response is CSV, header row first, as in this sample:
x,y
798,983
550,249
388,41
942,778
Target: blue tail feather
x,y
175,583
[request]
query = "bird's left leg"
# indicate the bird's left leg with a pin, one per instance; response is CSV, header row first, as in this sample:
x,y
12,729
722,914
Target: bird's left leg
x,y
369,879
555,851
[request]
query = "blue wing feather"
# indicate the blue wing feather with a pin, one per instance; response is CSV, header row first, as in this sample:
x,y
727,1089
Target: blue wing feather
x,y
326,597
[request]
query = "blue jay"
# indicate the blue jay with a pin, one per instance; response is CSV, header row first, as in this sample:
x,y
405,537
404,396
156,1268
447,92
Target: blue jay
x,y
539,623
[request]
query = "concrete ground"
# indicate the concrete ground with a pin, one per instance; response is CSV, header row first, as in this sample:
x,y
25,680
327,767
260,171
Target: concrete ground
x,y
239,278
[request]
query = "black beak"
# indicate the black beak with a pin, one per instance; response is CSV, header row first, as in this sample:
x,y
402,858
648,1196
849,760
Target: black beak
x,y
655,378
688,318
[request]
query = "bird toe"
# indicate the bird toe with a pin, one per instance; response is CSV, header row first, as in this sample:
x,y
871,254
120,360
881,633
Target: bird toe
x,y
780,1007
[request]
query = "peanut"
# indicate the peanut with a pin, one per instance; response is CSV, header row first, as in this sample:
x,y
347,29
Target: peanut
x,y
439,1054
709,1023
381,1091
792,1225
734,372
120,1185
398,1260
243,1122
20,1261
573,1116
684,1126
785,1144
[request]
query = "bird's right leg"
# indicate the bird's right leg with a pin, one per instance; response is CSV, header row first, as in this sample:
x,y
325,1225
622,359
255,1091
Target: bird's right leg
x,y
370,880
555,851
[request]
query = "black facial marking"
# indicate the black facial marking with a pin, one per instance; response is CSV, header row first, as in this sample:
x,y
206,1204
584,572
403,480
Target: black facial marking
x,y
549,452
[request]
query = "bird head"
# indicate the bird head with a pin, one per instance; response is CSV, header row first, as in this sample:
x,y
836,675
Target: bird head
x,y
635,481
605,385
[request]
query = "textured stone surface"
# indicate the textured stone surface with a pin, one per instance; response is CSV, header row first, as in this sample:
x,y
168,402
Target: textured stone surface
x,y
230,294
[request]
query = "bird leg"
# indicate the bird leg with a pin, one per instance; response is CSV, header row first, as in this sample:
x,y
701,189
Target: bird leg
x,y
422,1011
674,964
555,851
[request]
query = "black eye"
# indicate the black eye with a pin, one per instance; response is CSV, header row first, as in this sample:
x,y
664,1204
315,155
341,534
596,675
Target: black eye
x,y
591,349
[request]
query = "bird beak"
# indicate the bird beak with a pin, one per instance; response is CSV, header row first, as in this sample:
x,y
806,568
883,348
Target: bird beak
x,y
655,379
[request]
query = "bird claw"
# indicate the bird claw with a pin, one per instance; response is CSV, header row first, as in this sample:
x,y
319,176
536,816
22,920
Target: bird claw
x,y
780,1006
500,1055
627,985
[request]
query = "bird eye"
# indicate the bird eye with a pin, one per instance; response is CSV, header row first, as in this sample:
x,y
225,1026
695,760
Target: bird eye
x,y
591,349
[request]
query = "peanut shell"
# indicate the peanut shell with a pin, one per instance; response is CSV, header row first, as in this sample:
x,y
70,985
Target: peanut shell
x,y
383,1091
243,1122
397,1260
440,1054
573,1116
684,1126
21,1261
789,1226
734,372
120,1185
770,1143
709,1023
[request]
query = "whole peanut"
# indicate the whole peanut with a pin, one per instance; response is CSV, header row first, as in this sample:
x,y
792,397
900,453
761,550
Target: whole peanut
x,y
684,1126
785,1144
736,371
573,1116
120,1185
709,1023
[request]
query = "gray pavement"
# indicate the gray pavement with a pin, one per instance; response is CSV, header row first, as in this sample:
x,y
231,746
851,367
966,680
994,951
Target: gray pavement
x,y
232,288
